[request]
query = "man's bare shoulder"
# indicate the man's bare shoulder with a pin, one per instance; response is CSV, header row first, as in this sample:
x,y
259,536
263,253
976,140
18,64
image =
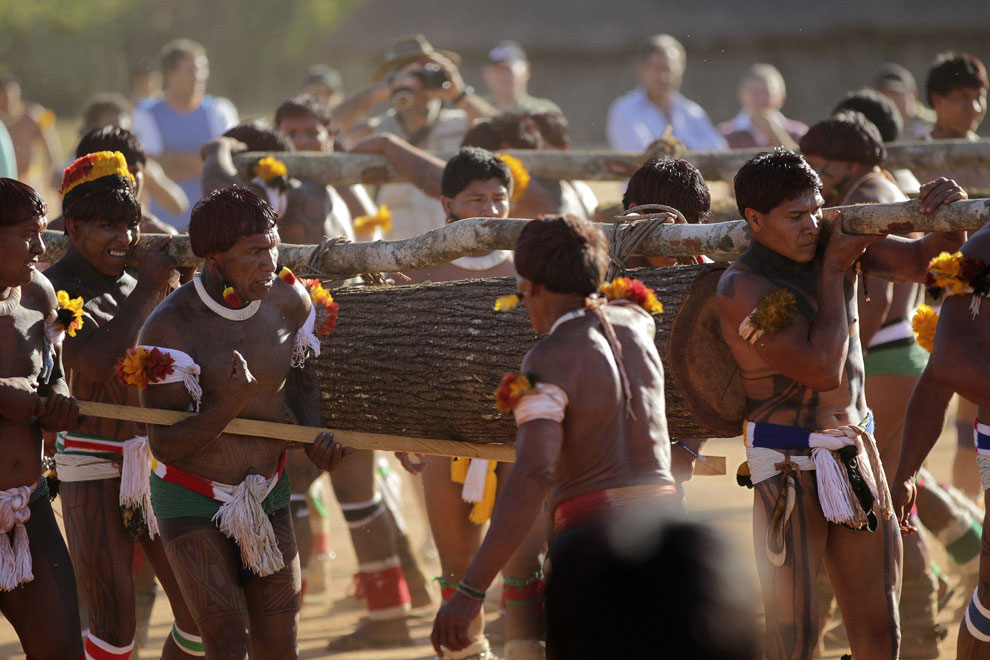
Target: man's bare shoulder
x,y
978,245
876,190
162,327
292,299
740,286
40,289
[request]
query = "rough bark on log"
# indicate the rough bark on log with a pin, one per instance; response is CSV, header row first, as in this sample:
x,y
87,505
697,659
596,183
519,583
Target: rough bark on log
x,y
473,235
424,360
597,165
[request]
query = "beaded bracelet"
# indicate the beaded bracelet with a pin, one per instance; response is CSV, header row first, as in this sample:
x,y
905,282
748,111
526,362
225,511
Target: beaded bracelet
x,y
471,592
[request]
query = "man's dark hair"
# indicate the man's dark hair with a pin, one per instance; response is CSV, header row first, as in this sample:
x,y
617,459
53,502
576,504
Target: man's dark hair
x,y
259,135
222,217
113,138
659,43
19,202
846,136
103,104
878,110
954,70
566,254
107,199
143,66
473,164
305,105
554,128
505,131
671,182
772,178
321,74
177,50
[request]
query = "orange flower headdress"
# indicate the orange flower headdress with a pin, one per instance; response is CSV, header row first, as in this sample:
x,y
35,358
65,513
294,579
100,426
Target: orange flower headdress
x,y
92,167
520,177
625,288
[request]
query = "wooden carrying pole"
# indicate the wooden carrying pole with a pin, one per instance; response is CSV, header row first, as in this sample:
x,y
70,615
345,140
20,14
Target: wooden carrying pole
x,y
473,235
307,434
349,168
506,453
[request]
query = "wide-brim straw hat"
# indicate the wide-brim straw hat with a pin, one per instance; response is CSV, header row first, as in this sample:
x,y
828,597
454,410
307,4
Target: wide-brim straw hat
x,y
407,50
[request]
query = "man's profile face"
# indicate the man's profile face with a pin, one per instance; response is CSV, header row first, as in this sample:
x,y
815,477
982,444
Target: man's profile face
x,y
525,289
902,100
833,173
961,110
307,133
485,198
249,266
105,244
661,72
189,75
790,229
20,248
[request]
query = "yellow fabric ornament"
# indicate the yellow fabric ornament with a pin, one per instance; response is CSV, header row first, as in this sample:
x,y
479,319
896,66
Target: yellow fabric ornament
x,y
382,218
481,512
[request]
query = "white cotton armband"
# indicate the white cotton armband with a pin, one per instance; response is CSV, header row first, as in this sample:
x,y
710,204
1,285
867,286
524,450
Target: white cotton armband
x,y
546,402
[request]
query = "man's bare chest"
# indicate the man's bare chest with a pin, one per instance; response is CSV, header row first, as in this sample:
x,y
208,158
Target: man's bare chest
x,y
266,347
21,343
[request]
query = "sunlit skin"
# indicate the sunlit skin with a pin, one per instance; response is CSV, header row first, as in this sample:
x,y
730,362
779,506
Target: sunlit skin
x,y
834,174
488,198
660,74
959,112
105,244
792,228
307,133
10,98
22,248
249,267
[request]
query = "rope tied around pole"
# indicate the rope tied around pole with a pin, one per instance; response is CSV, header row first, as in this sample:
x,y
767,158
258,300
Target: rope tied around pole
x,y
630,230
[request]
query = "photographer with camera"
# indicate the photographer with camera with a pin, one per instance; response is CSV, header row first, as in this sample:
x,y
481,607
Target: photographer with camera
x,y
418,80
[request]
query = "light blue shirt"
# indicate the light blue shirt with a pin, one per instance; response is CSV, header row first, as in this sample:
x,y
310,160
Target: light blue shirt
x,y
634,122
8,164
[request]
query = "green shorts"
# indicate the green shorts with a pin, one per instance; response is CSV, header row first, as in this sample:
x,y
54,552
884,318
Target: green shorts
x,y
898,358
169,500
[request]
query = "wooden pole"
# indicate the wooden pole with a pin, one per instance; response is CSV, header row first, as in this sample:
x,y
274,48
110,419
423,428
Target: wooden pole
x,y
307,434
473,235
596,165
505,453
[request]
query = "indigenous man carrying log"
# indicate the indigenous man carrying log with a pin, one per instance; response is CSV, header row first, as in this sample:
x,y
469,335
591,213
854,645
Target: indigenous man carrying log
x,y
231,343
847,152
460,493
787,311
104,466
958,365
592,435
37,588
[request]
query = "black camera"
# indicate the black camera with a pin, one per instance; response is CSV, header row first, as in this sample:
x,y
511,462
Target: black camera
x,y
431,76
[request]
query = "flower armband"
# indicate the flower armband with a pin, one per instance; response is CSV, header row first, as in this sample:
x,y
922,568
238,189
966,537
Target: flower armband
x,y
520,177
625,288
774,312
515,385
141,367
924,323
381,219
273,172
323,303
957,275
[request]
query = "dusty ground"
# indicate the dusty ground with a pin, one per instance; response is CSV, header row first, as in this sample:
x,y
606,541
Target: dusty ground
x,y
717,500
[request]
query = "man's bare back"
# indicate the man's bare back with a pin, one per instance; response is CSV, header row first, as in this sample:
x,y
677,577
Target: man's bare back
x,y
603,447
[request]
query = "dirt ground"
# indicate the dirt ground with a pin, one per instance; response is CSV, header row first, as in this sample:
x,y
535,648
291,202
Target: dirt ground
x,y
716,500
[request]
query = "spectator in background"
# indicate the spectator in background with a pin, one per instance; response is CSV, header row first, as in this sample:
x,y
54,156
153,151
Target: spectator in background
x,y
324,83
8,163
760,123
28,124
957,89
110,109
418,79
507,76
880,111
145,82
896,83
641,116
173,128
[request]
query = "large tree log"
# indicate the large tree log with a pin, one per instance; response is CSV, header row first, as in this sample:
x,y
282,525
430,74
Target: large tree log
x,y
424,360
592,165
472,235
